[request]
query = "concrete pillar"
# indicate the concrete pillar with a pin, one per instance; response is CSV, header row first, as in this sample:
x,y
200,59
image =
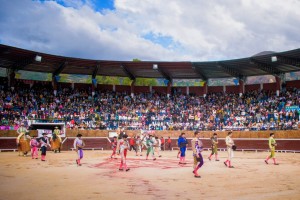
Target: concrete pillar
x,y
278,85
241,87
114,88
11,78
93,89
169,89
261,86
188,90
224,88
150,88
205,89
54,84
132,88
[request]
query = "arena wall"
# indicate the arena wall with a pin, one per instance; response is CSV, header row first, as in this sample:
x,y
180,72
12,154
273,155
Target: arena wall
x,y
291,134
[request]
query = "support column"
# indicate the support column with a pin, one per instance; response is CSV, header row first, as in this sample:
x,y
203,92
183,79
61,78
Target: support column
x,y
93,89
11,78
169,89
94,85
241,87
114,88
132,88
205,89
187,90
54,84
261,86
224,89
150,88
278,85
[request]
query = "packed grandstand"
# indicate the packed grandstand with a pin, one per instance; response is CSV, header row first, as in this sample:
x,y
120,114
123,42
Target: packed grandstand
x,y
108,110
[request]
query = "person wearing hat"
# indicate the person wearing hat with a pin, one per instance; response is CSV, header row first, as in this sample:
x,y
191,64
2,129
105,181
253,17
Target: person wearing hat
x,y
23,140
78,146
122,147
56,145
44,143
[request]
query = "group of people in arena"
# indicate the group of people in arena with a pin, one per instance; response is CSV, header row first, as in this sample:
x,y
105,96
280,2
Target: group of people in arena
x,y
254,110
147,140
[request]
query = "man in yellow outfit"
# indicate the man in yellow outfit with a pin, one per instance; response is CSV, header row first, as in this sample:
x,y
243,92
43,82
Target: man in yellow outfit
x,y
272,145
56,145
23,140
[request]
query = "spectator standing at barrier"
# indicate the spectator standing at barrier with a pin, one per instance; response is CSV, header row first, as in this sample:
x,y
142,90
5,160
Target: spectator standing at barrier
x,y
169,141
78,146
132,145
197,148
229,144
162,140
182,143
214,147
272,145
122,147
44,143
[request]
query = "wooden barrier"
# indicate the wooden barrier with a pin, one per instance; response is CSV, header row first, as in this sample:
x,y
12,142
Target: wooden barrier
x,y
173,134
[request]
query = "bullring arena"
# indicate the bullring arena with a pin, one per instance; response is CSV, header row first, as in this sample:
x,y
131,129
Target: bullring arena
x,y
99,178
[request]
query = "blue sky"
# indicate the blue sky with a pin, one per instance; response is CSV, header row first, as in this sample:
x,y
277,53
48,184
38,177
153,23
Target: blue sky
x,y
190,30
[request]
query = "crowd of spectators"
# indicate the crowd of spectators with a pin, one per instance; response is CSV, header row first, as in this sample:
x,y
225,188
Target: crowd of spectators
x,y
255,110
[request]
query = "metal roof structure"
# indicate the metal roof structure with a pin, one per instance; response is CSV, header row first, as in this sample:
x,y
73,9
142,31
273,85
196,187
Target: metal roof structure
x,y
20,59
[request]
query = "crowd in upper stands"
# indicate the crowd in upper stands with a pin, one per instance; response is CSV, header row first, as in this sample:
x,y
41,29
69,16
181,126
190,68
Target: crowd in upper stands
x,y
255,110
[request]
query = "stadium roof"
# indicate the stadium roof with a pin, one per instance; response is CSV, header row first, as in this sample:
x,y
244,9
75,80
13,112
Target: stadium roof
x,y
260,64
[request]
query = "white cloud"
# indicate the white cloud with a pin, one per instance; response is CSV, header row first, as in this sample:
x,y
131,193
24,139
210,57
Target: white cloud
x,y
200,30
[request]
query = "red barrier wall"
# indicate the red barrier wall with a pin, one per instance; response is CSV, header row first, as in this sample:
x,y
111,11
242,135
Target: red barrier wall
x,y
252,87
160,89
123,88
232,89
141,89
213,89
269,87
101,87
197,90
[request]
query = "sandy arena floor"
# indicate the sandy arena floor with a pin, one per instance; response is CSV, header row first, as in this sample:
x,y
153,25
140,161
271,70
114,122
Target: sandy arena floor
x,y
99,178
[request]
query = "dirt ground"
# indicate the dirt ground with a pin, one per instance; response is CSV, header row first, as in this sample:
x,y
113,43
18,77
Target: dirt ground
x,y
99,177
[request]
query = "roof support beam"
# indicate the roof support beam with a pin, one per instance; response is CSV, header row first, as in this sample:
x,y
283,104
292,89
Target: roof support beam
x,y
60,68
199,72
265,67
128,72
230,71
95,72
164,74
288,60
19,65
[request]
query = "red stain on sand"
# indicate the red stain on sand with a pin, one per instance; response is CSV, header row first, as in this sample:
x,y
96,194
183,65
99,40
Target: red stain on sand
x,y
141,163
